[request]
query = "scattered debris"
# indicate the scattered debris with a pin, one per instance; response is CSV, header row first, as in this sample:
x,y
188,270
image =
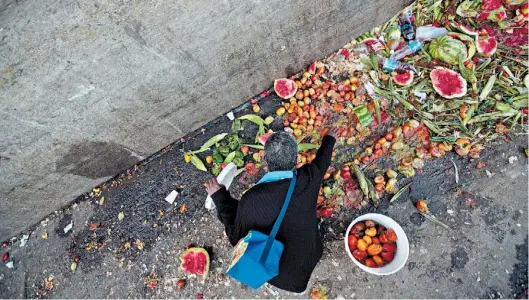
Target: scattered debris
x,y
455,171
44,235
5,256
180,284
68,227
513,159
230,116
171,197
121,215
10,265
44,290
24,240
422,207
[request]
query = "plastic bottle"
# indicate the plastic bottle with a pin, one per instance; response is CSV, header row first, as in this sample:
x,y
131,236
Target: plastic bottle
x,y
393,65
406,27
393,37
424,33
412,47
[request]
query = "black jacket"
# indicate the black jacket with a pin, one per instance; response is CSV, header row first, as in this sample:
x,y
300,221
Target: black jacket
x,y
260,206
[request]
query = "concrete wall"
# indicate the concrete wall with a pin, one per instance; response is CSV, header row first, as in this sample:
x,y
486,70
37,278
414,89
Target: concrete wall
x,y
88,88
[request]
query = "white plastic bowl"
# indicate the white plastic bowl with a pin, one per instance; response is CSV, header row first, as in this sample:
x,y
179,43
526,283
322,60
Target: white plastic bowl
x,y
403,246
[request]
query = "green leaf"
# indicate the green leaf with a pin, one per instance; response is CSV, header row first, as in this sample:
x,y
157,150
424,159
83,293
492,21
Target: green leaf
x,y
121,216
488,88
377,111
229,158
306,146
212,141
397,195
260,147
269,120
253,118
198,163
236,125
432,127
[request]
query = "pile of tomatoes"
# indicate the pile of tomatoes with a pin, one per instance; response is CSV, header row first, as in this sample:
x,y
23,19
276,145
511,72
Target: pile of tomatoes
x,y
372,244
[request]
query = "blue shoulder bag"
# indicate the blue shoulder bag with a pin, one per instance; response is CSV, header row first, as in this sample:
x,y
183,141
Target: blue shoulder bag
x,y
256,257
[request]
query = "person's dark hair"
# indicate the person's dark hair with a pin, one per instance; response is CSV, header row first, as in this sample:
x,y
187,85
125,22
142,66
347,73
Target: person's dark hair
x,y
281,152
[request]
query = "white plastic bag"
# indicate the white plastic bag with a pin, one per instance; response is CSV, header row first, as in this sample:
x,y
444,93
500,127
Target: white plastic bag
x,y
225,178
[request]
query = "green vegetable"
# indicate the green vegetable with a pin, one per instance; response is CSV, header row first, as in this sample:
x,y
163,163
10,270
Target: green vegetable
x,y
447,49
234,142
488,88
362,182
303,147
198,163
229,158
269,120
216,169
363,115
239,162
217,157
468,75
212,141
468,9
224,150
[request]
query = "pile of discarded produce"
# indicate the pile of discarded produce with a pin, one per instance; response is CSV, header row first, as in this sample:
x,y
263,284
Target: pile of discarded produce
x,y
440,76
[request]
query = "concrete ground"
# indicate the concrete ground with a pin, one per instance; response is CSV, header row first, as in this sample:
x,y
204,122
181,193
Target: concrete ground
x,y
484,255
90,87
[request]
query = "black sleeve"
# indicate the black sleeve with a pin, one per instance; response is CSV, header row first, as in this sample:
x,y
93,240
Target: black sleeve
x,y
229,214
324,154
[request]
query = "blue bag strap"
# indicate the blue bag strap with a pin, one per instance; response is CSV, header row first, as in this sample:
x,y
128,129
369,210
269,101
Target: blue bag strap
x,y
279,220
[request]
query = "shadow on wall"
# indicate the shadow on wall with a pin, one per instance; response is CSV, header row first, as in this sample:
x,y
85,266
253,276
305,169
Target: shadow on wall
x,y
96,159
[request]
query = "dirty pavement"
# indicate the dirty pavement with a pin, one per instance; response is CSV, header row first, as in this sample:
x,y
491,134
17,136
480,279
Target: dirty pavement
x,y
443,121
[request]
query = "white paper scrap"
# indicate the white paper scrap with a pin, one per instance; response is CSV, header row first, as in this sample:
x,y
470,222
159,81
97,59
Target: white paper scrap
x,y
68,227
171,197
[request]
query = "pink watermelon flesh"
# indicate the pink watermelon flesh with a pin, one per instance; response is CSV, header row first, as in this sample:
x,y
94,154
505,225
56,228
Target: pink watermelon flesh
x,y
486,44
285,88
312,68
491,4
404,78
447,83
195,261
263,138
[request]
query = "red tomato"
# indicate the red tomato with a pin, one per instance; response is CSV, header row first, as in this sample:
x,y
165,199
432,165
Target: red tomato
x,y
359,226
375,240
387,256
352,240
389,248
383,239
359,255
391,235
370,263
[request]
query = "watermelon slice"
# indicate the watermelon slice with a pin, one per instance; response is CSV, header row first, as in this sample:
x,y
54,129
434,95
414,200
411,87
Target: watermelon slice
x,y
490,4
486,44
464,29
447,83
285,88
195,261
312,68
263,138
404,78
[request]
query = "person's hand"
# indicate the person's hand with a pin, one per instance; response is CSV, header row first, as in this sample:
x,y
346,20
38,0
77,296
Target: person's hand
x,y
212,186
334,132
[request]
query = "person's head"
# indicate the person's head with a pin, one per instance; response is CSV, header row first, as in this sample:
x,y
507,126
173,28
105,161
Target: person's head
x,y
281,152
